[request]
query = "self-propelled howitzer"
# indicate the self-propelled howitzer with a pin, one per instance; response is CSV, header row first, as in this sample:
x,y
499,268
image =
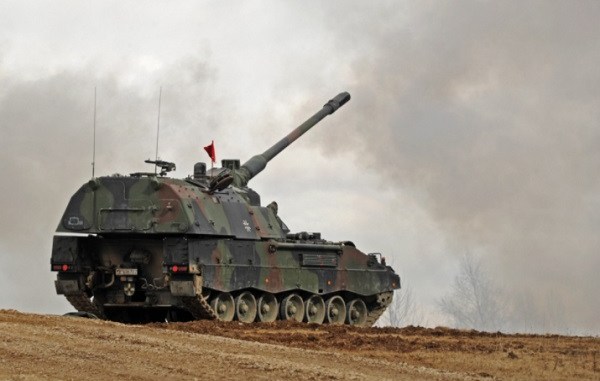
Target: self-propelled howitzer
x,y
149,247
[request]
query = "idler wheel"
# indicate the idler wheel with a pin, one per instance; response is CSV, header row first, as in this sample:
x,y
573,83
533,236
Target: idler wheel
x,y
315,310
292,308
245,307
224,306
335,308
357,313
267,308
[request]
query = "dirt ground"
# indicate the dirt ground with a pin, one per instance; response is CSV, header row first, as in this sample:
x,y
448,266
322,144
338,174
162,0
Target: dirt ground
x,y
45,347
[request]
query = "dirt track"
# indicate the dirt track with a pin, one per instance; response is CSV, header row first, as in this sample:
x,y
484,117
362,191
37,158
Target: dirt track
x,y
50,347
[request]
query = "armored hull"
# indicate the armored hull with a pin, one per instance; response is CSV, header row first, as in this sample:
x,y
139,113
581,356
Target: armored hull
x,y
148,247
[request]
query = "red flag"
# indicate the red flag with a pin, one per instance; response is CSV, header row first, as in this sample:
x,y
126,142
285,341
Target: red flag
x,y
210,150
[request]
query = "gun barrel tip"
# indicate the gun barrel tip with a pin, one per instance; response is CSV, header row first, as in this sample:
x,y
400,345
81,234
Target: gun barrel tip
x,y
345,97
338,101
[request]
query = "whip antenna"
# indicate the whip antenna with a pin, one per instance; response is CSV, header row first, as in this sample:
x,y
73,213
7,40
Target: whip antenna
x,y
94,140
157,128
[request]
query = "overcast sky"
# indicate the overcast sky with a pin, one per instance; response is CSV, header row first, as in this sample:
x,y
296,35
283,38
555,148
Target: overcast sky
x,y
473,127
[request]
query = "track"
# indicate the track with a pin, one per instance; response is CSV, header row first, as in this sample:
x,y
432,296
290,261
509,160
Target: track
x,y
82,303
200,309
383,301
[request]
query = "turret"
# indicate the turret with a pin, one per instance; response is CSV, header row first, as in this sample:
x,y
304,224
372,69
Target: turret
x,y
257,163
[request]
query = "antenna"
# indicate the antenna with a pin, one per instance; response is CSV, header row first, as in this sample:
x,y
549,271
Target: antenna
x,y
157,127
94,141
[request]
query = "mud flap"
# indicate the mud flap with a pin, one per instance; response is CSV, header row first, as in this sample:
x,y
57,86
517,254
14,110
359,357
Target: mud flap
x,y
186,286
67,286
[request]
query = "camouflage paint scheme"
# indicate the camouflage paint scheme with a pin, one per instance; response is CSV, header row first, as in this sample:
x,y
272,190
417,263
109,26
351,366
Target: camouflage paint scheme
x,y
211,226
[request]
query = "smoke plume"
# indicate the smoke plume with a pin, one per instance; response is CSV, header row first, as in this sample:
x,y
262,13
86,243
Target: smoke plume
x,y
483,115
489,113
46,154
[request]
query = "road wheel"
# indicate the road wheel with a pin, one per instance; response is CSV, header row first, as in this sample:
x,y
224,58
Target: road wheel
x,y
267,308
315,310
357,313
245,307
335,310
292,308
224,306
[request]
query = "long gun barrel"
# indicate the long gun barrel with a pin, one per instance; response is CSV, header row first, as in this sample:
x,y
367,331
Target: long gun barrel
x,y
257,163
